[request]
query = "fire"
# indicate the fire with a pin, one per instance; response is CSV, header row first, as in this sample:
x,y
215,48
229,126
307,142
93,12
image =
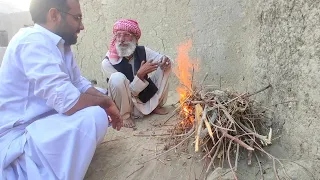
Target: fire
x,y
184,72
184,69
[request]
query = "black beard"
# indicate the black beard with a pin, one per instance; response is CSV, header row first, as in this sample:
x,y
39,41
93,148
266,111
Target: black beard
x,y
69,38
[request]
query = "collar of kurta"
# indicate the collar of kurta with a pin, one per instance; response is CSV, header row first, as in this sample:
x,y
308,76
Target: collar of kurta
x,y
57,40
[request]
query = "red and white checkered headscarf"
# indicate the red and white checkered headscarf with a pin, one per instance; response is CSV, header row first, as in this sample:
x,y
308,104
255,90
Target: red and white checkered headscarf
x,y
128,25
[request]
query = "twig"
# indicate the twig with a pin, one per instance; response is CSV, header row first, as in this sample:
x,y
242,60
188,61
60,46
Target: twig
x,y
221,138
312,175
115,140
173,114
241,143
272,157
237,158
260,167
214,156
155,153
148,135
169,149
263,89
204,79
235,98
275,170
250,153
204,116
222,128
228,156
248,95
135,171
263,138
202,102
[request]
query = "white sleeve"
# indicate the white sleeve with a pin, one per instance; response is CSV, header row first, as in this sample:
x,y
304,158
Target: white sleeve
x,y
155,56
43,68
80,82
152,55
107,69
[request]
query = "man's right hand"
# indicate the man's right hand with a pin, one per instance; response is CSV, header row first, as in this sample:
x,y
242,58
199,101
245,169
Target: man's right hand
x,y
146,68
114,113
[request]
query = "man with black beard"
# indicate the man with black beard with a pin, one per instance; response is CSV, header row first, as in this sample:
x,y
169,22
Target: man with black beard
x,y
52,119
137,76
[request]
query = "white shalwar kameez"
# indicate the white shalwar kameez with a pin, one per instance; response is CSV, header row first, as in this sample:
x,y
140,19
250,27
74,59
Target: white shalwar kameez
x,y
39,81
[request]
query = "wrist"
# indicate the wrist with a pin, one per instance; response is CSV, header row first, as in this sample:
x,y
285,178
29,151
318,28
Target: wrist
x,y
140,76
106,101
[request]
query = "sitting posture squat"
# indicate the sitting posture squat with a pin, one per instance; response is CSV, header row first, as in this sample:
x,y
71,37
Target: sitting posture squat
x,y
137,76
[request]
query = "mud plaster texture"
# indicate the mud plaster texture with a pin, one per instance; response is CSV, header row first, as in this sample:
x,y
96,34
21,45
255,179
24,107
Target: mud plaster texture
x,y
243,45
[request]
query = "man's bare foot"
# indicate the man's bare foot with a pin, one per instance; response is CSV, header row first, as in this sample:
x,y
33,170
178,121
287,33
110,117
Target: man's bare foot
x,y
160,110
128,123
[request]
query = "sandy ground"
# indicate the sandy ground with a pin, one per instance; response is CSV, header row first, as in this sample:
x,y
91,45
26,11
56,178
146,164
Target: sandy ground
x,y
122,154
130,155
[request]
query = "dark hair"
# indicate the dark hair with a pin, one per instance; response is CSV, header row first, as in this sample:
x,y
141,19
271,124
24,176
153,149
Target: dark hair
x,y
40,8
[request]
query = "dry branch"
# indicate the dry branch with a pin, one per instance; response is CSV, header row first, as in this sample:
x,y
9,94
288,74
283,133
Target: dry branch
x,y
217,121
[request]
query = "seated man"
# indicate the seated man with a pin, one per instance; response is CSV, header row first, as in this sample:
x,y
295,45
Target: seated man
x,y
137,76
52,119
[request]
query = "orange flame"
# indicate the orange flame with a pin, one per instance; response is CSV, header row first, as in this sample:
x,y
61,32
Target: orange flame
x,y
184,69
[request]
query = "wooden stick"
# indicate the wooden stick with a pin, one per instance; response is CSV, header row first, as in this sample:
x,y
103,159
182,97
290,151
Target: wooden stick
x,y
263,138
214,156
204,116
263,89
228,115
219,127
260,167
250,153
169,149
135,171
248,95
116,140
241,143
228,157
209,130
237,158
204,79
173,113
148,135
275,170
202,102
272,157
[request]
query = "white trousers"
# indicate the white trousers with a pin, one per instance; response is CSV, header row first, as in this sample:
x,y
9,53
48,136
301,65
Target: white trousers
x,y
119,91
54,147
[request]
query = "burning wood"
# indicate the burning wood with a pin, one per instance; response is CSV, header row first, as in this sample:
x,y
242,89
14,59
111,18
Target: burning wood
x,y
216,121
221,121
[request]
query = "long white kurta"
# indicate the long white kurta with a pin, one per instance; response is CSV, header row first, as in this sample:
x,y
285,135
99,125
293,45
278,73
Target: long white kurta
x,y
125,93
39,81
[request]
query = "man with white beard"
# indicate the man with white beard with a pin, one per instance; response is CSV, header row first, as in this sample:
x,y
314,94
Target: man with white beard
x,y
137,76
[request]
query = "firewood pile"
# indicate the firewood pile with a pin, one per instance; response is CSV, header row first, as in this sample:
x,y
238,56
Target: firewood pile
x,y
220,124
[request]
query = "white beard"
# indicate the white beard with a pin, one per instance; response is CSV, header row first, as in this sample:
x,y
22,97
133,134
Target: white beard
x,y
125,51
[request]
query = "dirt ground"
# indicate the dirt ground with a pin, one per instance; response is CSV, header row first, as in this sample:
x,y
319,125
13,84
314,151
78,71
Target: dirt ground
x,y
130,155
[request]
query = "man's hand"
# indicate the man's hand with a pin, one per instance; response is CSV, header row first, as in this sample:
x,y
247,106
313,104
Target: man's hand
x,y
114,114
146,68
165,63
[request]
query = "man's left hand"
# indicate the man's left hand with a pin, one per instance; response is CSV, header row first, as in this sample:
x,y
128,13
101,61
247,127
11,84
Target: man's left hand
x,y
165,63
